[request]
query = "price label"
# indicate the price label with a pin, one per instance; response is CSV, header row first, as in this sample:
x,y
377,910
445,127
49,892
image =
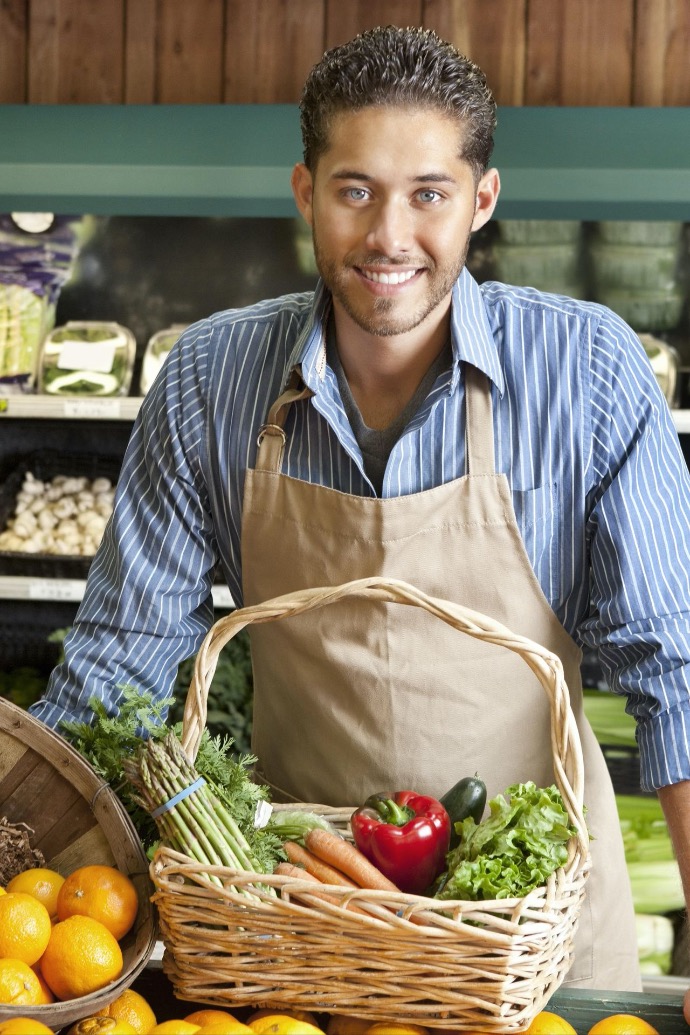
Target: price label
x,y
108,409
56,589
222,597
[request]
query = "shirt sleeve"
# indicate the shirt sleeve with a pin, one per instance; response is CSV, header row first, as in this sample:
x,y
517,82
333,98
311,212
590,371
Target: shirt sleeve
x,y
147,603
639,545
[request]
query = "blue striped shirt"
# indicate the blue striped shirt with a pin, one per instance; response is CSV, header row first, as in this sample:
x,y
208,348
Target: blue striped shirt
x,y
600,487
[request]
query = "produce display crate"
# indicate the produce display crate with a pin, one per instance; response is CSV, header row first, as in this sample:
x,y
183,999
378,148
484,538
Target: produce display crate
x,y
47,464
77,820
489,966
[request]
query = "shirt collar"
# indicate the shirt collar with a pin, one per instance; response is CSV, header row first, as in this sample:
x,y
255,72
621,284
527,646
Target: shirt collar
x,y
471,335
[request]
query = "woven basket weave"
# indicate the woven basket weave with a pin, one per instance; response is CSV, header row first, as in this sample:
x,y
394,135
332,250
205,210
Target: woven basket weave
x,y
379,955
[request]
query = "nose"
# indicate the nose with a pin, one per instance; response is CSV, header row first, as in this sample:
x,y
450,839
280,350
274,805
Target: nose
x,y
390,230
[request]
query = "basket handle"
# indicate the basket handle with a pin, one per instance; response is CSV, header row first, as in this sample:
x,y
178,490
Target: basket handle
x,y
547,667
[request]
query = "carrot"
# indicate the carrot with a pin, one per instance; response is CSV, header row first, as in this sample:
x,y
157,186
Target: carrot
x,y
336,851
312,864
290,870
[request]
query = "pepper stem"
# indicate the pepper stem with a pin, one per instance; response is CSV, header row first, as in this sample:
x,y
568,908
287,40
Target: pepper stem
x,y
391,812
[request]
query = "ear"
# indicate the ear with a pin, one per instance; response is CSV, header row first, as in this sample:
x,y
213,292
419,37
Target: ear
x,y
487,195
303,190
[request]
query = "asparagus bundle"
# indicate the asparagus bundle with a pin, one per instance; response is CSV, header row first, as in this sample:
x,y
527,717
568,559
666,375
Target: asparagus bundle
x,y
197,823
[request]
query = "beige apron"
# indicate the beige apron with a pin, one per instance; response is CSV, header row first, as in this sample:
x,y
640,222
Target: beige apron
x,y
362,696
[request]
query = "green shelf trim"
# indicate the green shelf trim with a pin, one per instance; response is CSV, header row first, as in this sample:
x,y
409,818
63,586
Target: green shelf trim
x,y
235,160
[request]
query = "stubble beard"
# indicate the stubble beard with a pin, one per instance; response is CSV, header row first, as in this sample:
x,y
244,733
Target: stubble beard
x,y
380,317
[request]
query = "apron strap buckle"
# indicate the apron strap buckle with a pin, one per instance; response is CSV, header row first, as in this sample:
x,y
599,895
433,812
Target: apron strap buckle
x,y
271,429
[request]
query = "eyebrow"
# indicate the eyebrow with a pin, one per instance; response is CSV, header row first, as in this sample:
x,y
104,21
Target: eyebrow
x,y
356,174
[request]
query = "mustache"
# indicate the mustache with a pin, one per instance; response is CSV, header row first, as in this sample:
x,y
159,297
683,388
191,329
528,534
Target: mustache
x,y
386,261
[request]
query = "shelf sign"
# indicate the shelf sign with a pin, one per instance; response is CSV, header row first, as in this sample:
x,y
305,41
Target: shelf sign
x,y
56,589
107,409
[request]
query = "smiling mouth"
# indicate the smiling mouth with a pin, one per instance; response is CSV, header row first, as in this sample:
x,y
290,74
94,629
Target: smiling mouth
x,y
394,277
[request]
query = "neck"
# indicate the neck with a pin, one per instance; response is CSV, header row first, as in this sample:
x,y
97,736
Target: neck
x,y
384,372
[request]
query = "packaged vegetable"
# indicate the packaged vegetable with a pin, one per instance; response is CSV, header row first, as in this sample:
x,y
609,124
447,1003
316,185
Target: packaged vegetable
x,y
87,357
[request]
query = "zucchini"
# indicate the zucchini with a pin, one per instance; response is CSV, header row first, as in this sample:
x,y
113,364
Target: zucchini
x,y
465,798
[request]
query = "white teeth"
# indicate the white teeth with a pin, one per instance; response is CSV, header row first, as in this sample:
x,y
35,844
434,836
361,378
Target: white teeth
x,y
389,278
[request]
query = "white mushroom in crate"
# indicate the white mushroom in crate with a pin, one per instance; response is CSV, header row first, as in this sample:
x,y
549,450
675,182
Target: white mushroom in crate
x,y
64,516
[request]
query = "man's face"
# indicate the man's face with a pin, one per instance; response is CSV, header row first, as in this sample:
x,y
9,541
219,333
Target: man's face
x,y
392,205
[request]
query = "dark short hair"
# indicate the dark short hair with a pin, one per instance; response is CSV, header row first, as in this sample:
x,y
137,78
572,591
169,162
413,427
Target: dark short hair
x,y
402,67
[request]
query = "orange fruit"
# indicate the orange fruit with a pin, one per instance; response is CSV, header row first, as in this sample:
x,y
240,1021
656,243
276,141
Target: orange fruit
x,y
101,1026
2,891
103,893
622,1024
42,883
176,1026
208,1016
82,956
299,1015
24,1026
24,927
546,1023
394,1028
19,985
46,994
130,1006
282,1024
227,1027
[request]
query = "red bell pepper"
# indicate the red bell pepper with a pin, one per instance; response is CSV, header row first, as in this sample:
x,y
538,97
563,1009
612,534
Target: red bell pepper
x,y
406,835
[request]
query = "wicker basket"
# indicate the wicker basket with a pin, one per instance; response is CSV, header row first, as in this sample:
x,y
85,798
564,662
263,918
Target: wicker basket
x,y
77,820
488,966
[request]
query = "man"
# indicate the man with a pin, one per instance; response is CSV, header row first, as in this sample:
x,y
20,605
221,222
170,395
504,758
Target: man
x,y
495,446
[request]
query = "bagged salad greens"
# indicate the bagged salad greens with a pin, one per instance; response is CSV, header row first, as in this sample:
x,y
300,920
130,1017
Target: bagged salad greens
x,y
33,268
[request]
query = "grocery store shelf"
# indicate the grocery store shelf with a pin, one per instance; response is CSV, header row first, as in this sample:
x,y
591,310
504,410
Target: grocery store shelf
x,y
29,587
125,408
235,160
46,407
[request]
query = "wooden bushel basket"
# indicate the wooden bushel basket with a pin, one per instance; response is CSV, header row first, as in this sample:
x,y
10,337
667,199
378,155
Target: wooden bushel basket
x,y
489,966
78,820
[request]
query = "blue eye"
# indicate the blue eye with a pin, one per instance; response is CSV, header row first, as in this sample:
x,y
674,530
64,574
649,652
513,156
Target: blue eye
x,y
356,193
429,195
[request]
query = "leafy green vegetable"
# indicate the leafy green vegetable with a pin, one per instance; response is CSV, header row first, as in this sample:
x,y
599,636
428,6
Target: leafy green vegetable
x,y
293,825
112,739
608,718
514,849
650,860
655,940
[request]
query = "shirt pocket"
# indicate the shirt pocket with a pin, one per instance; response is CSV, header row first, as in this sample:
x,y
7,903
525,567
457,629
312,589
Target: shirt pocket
x,y
538,516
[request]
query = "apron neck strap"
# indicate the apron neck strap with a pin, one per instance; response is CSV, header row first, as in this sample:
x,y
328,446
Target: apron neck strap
x,y
479,430
480,425
271,440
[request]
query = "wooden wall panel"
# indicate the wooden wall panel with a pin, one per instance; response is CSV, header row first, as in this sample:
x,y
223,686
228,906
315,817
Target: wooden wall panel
x,y
13,48
270,45
537,52
490,32
189,56
662,53
76,51
346,19
140,51
579,52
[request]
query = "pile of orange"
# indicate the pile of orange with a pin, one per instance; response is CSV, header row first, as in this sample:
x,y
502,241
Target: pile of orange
x,y
59,936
